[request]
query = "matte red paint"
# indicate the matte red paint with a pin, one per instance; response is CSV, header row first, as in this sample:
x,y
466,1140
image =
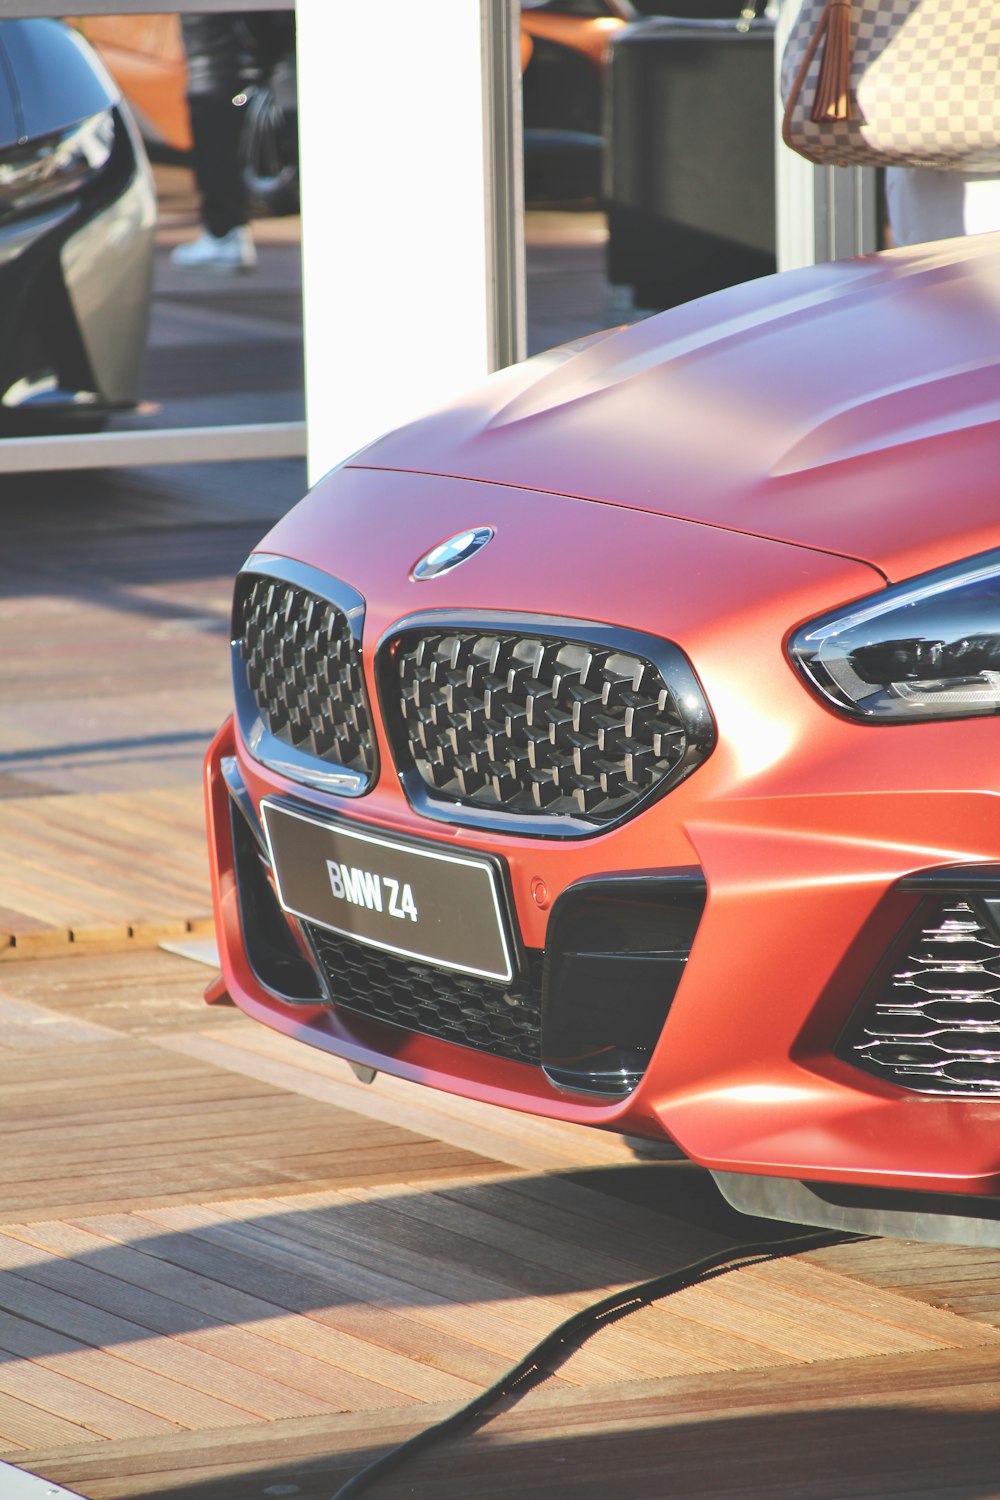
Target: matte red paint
x,y
715,476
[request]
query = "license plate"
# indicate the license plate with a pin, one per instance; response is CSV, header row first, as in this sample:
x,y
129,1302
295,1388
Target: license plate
x,y
432,905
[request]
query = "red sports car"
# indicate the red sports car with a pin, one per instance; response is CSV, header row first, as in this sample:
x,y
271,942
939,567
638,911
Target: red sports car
x,y
620,744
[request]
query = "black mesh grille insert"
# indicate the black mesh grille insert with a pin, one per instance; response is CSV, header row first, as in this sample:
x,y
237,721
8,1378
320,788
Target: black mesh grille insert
x,y
303,669
934,1022
535,725
436,1002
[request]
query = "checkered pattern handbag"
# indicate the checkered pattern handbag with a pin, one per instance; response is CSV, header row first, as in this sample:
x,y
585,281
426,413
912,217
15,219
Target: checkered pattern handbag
x,y
907,83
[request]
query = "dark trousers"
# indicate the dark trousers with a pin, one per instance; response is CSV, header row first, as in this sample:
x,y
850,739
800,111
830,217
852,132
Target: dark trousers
x,y
217,60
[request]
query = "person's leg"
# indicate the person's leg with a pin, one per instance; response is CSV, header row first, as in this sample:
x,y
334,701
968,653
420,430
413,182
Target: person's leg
x,y
213,47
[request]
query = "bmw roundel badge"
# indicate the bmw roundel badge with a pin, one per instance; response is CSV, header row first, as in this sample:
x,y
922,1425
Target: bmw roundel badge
x,y
457,549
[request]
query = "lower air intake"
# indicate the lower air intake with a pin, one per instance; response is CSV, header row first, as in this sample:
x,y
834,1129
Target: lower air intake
x,y
933,1023
441,1003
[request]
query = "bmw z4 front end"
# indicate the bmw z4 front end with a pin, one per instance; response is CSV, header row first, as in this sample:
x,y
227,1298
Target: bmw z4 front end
x,y
621,745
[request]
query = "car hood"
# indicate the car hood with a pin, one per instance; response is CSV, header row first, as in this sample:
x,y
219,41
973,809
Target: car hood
x,y
852,407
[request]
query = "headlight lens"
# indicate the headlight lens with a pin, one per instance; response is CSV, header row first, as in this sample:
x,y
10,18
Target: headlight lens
x,y
926,649
48,167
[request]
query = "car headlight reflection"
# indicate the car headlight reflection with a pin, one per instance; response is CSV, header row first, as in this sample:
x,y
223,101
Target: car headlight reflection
x,y
926,649
39,171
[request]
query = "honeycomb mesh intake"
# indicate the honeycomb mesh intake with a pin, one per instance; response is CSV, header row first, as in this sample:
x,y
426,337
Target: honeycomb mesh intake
x,y
934,1024
453,1007
536,725
304,671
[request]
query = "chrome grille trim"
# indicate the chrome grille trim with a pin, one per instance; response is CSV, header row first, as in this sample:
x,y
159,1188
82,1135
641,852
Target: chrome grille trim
x,y
298,680
536,724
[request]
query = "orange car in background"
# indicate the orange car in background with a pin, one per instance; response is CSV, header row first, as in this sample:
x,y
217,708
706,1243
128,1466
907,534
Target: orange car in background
x,y
583,27
145,56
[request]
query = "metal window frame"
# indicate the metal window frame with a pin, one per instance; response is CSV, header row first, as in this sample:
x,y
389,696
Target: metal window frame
x,y
505,260
508,318
44,8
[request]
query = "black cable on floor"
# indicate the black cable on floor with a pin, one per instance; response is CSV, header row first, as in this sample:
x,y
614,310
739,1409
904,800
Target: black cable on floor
x,y
551,1351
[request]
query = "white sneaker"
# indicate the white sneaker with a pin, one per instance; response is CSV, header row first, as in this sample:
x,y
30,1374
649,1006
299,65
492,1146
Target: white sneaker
x,y
229,253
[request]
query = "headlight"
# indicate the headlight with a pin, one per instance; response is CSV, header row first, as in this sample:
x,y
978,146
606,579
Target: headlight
x,y
48,167
926,649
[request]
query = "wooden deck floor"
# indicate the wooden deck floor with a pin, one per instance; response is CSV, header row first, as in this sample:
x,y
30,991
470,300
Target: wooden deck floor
x,y
102,871
228,1269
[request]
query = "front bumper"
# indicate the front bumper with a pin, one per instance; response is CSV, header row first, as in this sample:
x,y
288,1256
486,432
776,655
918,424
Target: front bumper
x,y
744,1078
803,830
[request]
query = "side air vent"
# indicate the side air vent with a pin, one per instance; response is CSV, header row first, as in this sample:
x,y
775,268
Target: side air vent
x,y
931,1022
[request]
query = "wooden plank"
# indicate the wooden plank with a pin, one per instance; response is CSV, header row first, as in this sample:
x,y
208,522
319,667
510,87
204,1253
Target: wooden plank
x,y
272,1144
220,1096
172,822
85,855
57,896
82,896
31,938
335,1382
24,1426
29,1028
61,1195
787,1289
645,1240
440,1262
841,1300
313,1246
794,1306
76,1403
202,926
962,1281
12,920
499,1133
216,1376
497,1319
82,865
361,1300
906,1263
206,1458
102,1370
902,1426
28,940
608,1254
275,1122
134,991
345,1348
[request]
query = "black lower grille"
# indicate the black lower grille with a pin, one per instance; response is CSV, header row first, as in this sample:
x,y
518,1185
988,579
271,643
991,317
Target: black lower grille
x,y
274,956
435,1002
933,1022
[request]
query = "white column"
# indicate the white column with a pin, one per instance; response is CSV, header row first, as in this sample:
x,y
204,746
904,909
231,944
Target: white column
x,y
398,268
